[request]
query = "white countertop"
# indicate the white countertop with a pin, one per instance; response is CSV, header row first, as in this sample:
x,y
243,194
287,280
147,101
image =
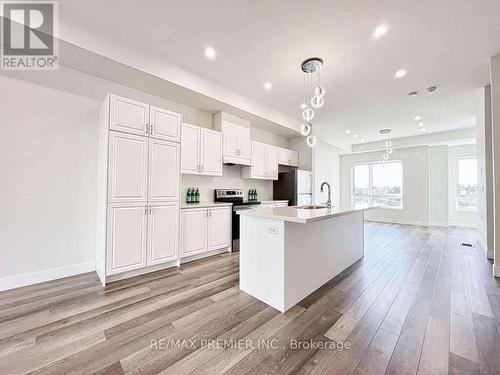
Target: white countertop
x,y
275,201
205,204
299,215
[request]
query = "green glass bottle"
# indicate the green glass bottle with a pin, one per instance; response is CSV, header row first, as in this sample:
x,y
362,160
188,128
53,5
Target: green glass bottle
x,y
255,194
189,196
197,196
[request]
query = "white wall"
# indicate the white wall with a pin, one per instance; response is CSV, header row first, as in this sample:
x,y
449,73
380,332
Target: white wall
x,y
305,152
48,148
438,182
485,172
326,167
415,185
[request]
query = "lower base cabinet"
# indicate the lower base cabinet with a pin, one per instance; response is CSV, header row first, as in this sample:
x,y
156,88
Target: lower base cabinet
x,y
141,235
205,229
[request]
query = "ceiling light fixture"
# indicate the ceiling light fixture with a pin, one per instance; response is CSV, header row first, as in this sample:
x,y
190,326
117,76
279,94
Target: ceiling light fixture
x,y
413,93
388,145
314,95
421,124
356,136
400,73
268,85
432,89
418,118
210,53
380,31
423,129
348,131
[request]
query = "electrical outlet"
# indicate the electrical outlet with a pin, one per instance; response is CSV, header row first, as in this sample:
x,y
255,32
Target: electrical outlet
x,y
273,229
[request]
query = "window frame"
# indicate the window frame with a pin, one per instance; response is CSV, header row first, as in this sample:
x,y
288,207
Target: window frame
x,y
457,158
370,165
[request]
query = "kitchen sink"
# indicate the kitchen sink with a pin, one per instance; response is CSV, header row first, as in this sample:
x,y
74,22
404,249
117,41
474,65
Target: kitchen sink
x,y
313,207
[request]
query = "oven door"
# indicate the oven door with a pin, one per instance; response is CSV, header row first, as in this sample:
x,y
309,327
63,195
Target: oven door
x,y
236,223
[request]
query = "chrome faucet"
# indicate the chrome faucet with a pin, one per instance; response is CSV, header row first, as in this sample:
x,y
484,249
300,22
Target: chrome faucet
x,y
329,201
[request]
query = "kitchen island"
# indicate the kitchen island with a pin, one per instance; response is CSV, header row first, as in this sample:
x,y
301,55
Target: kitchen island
x,y
286,253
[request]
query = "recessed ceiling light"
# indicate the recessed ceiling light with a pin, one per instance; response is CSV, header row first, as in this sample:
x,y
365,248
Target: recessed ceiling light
x,y
423,129
268,85
400,73
348,131
380,31
362,139
210,53
418,118
421,124
355,136
303,106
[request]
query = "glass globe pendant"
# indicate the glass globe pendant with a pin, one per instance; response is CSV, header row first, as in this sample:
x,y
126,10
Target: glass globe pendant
x,y
305,129
308,114
386,156
311,141
317,101
319,91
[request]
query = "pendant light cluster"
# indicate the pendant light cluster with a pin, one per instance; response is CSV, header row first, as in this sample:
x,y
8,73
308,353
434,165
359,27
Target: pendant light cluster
x,y
388,145
314,95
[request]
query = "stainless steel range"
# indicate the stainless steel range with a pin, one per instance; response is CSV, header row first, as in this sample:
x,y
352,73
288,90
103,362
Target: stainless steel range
x,y
236,197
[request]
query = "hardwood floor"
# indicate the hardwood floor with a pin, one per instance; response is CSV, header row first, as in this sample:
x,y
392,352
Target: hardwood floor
x,y
417,303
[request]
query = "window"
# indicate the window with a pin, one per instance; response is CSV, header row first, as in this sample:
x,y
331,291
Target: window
x,y
379,184
466,197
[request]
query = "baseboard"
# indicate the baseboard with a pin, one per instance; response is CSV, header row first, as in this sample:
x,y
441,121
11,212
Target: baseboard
x,y
438,224
489,253
404,222
462,225
16,281
496,270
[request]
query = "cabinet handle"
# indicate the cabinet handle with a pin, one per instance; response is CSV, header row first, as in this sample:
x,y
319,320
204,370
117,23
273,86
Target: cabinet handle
x,y
151,129
145,210
150,210
147,128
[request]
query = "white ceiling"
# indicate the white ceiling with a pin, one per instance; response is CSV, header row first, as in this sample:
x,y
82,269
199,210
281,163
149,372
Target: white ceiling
x,y
439,42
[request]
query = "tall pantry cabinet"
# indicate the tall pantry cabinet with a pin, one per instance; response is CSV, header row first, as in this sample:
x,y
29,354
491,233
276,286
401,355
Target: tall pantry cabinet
x,y
138,187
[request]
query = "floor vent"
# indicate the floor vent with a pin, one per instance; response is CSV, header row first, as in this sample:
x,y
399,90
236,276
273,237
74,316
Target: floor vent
x,y
466,244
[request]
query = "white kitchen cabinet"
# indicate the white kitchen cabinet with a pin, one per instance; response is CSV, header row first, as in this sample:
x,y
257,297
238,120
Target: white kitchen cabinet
x,y
163,233
129,116
126,237
164,165
272,162
205,229
219,227
201,151
237,145
211,152
288,157
133,117
128,167
194,231
264,162
138,219
164,124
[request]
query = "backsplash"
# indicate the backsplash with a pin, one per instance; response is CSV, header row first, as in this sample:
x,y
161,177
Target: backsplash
x,y
231,179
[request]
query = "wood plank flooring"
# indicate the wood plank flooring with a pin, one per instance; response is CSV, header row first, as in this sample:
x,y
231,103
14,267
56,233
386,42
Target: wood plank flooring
x,y
417,303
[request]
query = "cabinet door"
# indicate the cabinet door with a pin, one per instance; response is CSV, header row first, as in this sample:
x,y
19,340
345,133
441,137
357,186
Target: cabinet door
x,y
163,233
272,162
288,157
126,237
128,164
219,227
164,171
259,160
190,149
165,124
128,116
232,134
211,152
245,144
194,231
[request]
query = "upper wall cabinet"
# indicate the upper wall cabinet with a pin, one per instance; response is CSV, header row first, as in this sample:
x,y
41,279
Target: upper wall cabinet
x,y
201,151
264,162
237,146
288,157
133,117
